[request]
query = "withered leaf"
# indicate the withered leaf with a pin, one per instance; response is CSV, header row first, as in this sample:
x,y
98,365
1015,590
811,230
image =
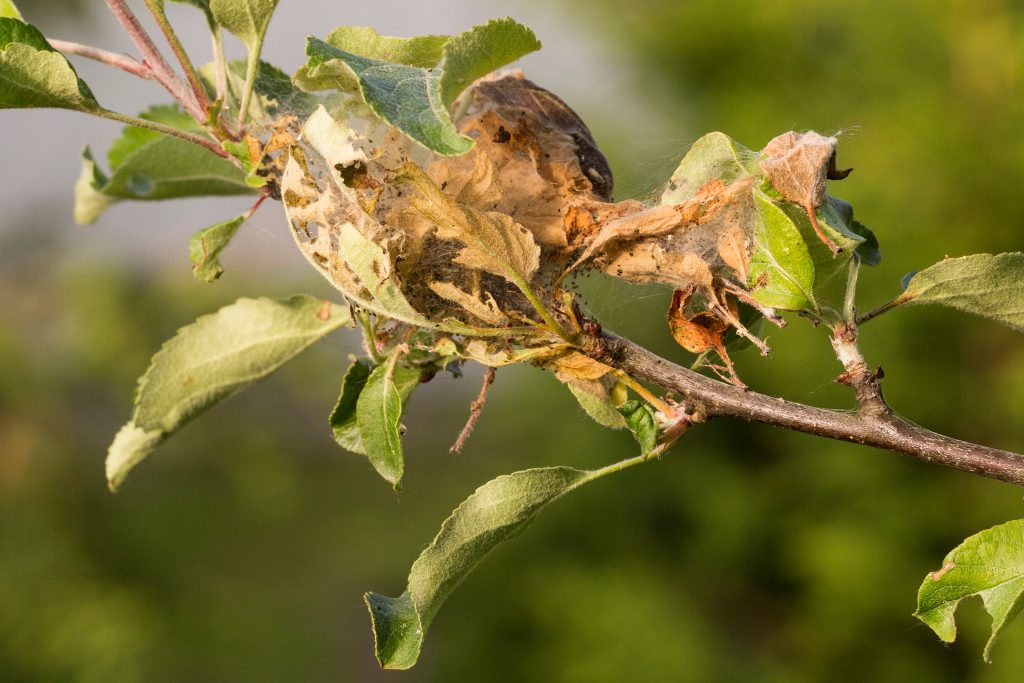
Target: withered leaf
x,y
797,165
494,243
483,307
698,332
575,366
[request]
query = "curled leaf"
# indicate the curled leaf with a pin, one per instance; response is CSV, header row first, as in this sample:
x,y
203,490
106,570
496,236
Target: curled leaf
x,y
208,243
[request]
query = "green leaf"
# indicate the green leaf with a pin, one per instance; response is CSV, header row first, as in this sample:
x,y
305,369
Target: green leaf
x,y
868,250
781,269
983,284
599,405
211,359
208,243
274,94
407,97
479,51
33,74
714,156
989,564
831,219
324,71
246,19
498,511
7,9
640,421
147,165
414,99
378,415
343,417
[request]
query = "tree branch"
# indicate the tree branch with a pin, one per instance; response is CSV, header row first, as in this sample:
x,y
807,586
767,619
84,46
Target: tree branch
x,y
869,426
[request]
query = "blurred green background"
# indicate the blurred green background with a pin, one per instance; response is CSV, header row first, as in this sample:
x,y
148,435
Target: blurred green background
x,y
241,550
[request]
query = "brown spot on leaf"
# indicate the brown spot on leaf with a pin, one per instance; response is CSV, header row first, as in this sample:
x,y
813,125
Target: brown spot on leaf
x,y
938,574
325,311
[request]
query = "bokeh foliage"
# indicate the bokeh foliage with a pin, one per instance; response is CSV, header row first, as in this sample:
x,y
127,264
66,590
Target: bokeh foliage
x,y
747,554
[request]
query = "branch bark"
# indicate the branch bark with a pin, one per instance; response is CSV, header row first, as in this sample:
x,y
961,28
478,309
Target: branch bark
x,y
869,426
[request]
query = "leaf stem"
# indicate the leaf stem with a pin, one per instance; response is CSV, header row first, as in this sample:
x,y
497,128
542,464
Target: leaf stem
x,y
369,336
158,12
220,64
850,299
542,310
153,58
645,394
122,62
884,308
166,130
251,69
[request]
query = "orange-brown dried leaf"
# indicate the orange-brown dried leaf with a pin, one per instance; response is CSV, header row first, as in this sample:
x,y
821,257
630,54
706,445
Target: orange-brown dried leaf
x,y
696,333
574,366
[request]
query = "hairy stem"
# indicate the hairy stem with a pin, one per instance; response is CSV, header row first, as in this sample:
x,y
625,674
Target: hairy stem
x,y
122,62
152,57
250,82
194,138
885,430
157,10
220,63
884,308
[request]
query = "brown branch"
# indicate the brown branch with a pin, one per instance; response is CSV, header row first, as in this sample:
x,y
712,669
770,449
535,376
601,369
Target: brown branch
x,y
474,412
869,426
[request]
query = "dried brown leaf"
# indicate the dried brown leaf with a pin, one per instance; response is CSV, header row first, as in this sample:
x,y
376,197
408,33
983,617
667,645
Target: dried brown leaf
x,y
483,306
797,165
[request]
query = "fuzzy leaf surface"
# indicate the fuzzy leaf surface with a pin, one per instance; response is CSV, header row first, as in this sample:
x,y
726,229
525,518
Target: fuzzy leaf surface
x,y
479,51
600,406
208,243
324,71
990,285
147,165
33,74
246,19
498,511
989,564
211,359
415,99
378,416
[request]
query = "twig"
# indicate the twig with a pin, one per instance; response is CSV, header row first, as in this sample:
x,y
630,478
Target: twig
x,y
152,57
123,62
157,10
885,430
166,130
475,408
